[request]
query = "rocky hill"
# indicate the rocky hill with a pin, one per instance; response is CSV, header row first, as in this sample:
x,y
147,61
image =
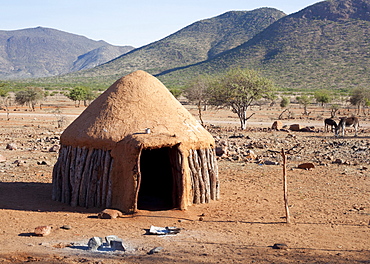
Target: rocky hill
x,y
40,52
197,42
325,45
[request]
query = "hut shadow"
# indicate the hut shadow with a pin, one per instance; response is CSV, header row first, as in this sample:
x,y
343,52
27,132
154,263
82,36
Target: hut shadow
x,y
33,196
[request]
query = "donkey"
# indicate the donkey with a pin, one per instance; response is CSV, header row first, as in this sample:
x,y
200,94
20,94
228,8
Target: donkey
x,y
347,122
330,123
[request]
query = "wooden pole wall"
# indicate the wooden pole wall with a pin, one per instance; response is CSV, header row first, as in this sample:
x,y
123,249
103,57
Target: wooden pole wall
x,y
81,177
204,175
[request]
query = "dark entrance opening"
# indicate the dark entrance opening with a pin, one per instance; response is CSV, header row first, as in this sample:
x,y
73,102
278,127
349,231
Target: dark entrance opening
x,y
156,187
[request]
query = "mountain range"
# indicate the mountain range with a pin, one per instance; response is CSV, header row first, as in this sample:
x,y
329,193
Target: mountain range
x,y
200,41
41,52
325,45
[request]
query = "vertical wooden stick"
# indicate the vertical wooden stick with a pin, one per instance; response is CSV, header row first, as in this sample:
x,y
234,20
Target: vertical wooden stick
x,y
285,188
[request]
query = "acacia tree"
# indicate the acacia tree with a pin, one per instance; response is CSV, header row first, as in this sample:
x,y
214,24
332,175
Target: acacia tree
x,y
197,92
359,97
89,96
284,103
81,93
31,96
334,108
304,100
323,96
176,92
239,89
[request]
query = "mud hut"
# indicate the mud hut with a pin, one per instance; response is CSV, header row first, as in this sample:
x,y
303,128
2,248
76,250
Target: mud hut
x,y
136,147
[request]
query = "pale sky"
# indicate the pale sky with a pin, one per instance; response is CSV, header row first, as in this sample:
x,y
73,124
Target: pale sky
x,y
126,22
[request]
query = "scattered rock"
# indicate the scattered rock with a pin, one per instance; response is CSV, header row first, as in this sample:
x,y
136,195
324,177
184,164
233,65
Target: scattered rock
x,y
42,230
66,227
221,150
2,158
269,162
94,243
117,244
339,161
280,246
11,146
54,148
306,166
109,214
295,127
19,162
277,125
358,208
42,162
308,129
250,155
155,250
236,136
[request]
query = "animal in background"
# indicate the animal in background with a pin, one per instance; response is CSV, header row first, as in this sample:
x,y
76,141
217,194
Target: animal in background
x,y
330,123
347,122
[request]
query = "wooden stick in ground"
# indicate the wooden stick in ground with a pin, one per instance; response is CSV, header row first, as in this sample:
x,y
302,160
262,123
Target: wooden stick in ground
x,y
285,188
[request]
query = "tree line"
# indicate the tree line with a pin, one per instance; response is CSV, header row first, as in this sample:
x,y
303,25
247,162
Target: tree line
x,y
239,89
32,96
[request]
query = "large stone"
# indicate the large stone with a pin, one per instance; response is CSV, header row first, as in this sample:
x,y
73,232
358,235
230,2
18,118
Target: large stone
x,y
42,230
306,166
109,214
94,243
117,244
295,127
277,125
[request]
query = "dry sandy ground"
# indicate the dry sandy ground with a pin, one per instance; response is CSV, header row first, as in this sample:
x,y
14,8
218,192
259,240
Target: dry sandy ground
x,y
329,205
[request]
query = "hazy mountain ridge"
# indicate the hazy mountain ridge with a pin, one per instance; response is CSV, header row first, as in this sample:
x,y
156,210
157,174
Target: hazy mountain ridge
x,y
39,52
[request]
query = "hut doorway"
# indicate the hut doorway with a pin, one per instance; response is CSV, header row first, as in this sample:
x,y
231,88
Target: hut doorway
x,y
157,181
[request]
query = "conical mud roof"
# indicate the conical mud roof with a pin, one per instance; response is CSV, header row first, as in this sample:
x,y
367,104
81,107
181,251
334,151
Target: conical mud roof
x,y
126,109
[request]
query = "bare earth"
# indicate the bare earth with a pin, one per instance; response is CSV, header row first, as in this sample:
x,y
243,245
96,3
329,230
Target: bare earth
x,y
329,205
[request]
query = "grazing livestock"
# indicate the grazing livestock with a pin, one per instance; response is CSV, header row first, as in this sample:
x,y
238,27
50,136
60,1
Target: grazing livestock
x,y
347,122
330,123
